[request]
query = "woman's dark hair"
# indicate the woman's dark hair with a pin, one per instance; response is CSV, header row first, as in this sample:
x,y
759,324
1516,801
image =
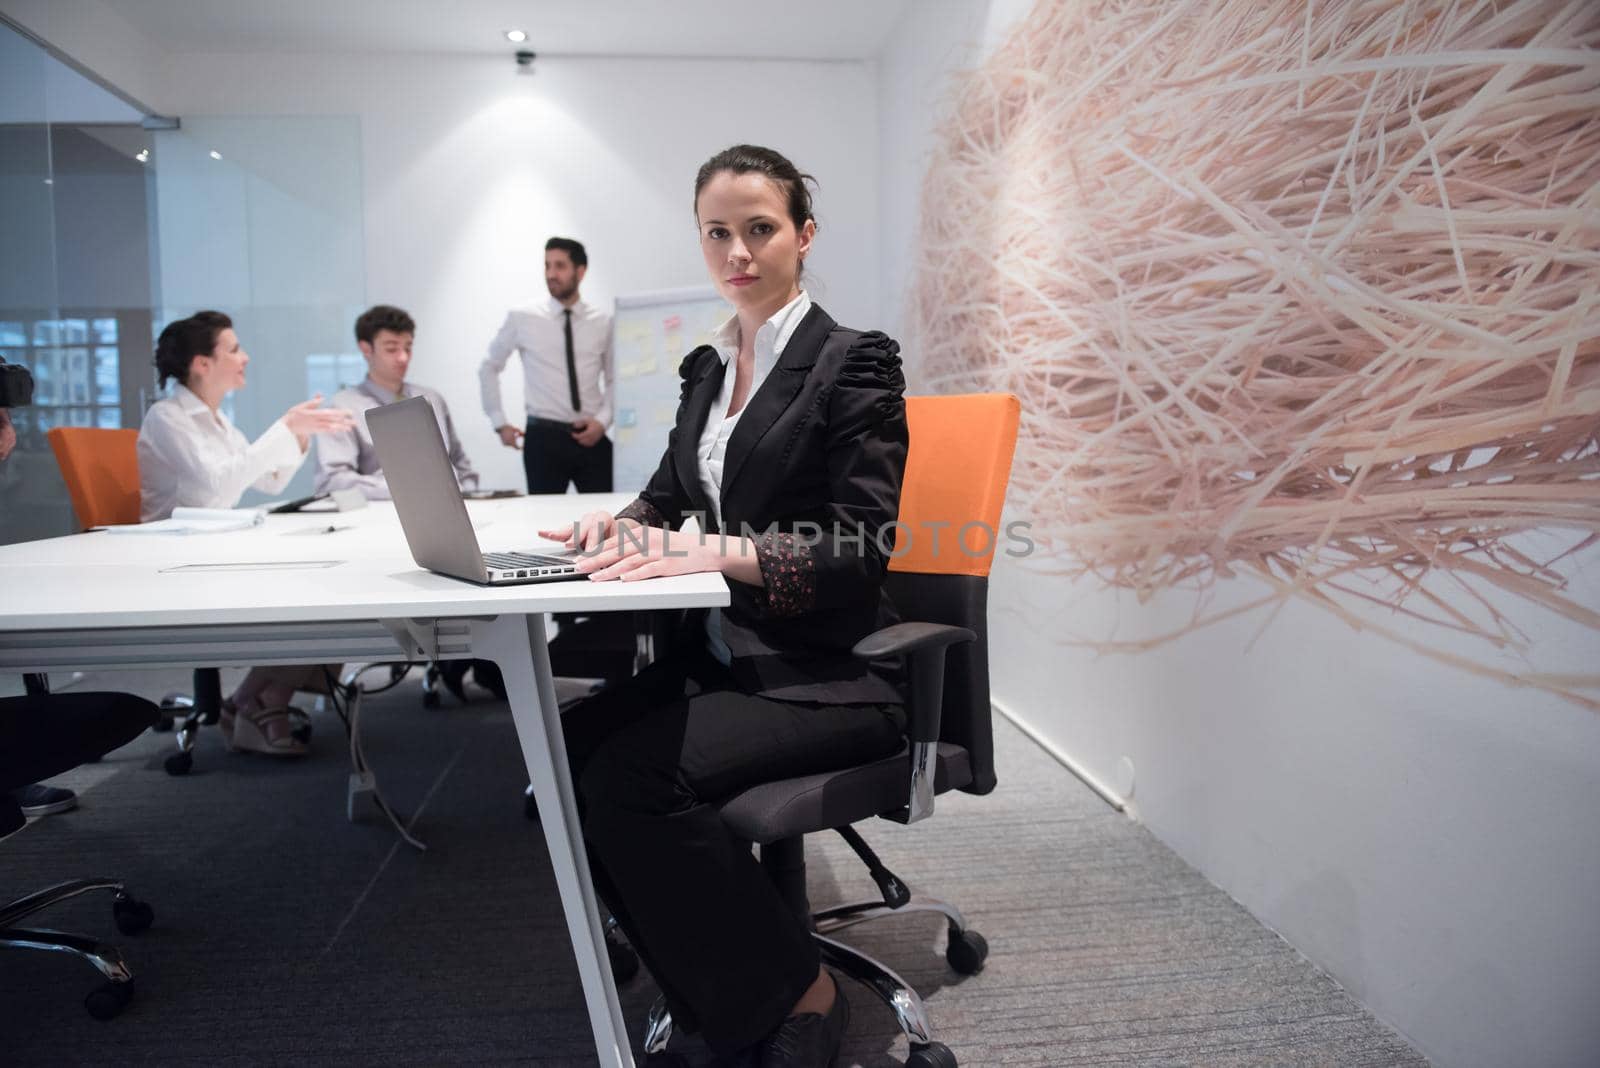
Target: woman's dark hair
x,y
181,341
753,159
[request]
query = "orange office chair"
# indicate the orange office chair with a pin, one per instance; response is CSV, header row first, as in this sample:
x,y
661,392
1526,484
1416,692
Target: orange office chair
x,y
956,475
101,469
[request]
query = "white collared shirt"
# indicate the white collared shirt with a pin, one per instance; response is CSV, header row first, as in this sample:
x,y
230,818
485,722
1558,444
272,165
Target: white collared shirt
x,y
346,459
771,339
539,334
192,457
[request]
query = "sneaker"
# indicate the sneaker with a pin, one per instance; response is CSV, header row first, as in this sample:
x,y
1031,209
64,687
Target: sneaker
x,y
41,800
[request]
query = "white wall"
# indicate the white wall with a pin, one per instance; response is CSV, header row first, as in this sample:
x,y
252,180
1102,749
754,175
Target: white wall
x,y
1428,836
468,167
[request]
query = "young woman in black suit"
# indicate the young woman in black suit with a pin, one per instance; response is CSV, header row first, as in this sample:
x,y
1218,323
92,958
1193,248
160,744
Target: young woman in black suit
x,y
787,425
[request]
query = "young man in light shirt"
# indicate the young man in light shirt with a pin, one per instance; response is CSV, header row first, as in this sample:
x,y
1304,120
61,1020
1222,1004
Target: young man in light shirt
x,y
346,460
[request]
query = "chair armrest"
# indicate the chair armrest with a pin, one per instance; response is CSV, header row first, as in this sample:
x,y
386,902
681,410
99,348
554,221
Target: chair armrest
x,y
909,638
923,645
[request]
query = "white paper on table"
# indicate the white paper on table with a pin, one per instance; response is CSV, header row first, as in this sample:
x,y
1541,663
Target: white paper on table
x,y
198,521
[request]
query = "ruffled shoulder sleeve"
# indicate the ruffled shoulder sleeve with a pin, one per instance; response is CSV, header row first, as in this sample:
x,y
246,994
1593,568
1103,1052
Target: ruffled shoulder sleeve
x,y
686,370
865,457
871,382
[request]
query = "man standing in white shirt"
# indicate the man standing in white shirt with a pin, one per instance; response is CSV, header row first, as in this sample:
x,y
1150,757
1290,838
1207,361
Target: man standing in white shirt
x,y
568,375
347,460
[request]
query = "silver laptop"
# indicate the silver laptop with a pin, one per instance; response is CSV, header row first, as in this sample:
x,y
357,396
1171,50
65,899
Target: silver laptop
x,y
432,513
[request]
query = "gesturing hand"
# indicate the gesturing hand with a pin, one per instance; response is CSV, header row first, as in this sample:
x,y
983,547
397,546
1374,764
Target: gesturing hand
x,y
510,436
308,418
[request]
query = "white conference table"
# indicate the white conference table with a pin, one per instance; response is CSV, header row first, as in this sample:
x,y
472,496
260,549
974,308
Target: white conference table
x,y
288,592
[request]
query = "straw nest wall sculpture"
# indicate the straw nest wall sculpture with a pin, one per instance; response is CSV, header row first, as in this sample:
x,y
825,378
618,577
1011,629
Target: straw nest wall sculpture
x,y
1305,289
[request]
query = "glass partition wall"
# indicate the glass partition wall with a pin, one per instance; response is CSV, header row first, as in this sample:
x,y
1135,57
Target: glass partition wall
x,y
75,270
108,231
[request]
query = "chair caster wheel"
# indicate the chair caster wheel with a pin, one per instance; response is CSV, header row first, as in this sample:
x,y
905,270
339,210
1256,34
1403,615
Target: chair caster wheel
x,y
933,1055
300,729
131,915
530,804
624,961
162,725
967,952
430,699
108,999
179,763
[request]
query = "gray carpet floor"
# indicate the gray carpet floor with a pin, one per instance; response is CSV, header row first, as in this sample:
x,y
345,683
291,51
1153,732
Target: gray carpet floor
x,y
287,935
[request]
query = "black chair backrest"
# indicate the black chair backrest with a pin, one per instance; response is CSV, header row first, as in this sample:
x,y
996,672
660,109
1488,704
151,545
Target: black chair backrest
x,y
959,601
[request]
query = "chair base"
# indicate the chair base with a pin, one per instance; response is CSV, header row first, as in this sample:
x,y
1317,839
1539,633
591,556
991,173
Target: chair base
x,y
966,954
131,917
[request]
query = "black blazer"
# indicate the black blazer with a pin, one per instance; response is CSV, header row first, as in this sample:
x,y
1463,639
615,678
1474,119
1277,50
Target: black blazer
x,y
821,447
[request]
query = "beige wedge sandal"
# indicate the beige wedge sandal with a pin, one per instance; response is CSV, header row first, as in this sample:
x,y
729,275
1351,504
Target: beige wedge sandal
x,y
263,730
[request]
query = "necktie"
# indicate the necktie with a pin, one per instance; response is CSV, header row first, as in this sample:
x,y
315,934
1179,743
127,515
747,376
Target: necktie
x,y
572,361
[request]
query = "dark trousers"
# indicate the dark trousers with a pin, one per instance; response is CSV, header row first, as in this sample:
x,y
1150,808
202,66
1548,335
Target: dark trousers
x,y
552,459
45,734
650,757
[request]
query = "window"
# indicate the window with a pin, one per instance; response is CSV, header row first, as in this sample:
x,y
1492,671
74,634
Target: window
x,y
76,367
327,374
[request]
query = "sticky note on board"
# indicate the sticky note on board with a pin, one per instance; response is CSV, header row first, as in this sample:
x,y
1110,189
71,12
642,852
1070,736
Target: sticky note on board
x,y
662,415
624,434
672,322
627,417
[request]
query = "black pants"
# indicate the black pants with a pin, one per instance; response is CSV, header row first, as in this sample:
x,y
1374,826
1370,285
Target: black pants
x,y
650,757
46,734
552,459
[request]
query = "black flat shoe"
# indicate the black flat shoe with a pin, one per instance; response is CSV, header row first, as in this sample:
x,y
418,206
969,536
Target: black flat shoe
x,y
807,1040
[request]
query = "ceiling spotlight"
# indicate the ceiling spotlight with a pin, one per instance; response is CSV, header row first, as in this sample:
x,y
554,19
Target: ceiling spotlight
x,y
516,36
215,154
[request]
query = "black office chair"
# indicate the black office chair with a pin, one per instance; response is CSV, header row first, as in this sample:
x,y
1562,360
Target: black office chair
x,y
956,474
42,735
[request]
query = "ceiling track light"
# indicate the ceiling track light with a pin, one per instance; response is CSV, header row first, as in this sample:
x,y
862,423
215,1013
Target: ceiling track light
x,y
516,36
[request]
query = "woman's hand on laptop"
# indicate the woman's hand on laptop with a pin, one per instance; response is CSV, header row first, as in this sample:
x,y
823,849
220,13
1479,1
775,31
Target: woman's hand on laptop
x,y
635,551
641,552
590,532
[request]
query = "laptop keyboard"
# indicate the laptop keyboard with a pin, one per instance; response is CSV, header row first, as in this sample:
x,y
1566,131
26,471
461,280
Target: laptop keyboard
x,y
505,561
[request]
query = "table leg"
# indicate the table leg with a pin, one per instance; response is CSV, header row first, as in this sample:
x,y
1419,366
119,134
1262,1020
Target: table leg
x,y
517,645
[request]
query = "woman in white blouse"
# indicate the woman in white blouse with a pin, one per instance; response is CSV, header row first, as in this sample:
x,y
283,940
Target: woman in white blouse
x,y
191,455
